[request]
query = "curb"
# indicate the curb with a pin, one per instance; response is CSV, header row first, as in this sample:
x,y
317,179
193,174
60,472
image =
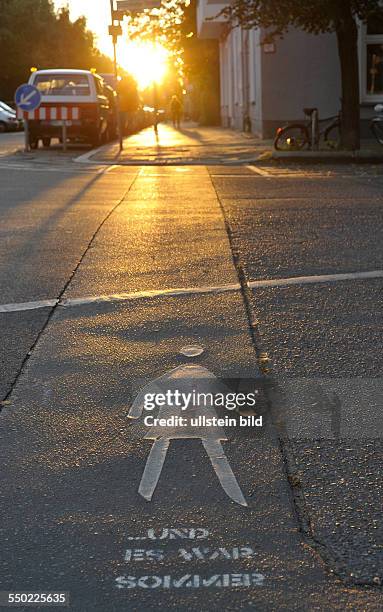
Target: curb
x,y
85,158
361,157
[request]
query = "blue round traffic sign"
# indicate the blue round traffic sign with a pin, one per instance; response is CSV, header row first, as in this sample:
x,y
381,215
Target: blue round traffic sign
x,y
27,97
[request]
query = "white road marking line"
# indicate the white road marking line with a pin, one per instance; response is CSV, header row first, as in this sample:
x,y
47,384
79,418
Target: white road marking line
x,y
73,170
137,295
259,171
92,169
85,158
23,306
116,297
108,169
280,173
323,278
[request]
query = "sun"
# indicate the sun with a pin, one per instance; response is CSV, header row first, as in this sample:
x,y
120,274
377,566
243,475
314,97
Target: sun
x,y
147,62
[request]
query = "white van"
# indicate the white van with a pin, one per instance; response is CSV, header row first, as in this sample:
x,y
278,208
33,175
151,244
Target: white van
x,y
74,96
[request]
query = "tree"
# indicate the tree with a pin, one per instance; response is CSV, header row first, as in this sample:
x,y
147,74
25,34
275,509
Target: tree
x,y
315,17
33,34
193,61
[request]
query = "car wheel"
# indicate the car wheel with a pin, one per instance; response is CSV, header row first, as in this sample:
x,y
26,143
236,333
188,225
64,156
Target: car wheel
x,y
46,142
3,127
34,143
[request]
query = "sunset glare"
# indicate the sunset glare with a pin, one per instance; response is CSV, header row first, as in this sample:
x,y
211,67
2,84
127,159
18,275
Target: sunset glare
x,y
146,62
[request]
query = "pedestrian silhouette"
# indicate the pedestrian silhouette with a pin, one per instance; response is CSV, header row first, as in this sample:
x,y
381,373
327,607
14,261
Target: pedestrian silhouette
x,y
185,379
176,111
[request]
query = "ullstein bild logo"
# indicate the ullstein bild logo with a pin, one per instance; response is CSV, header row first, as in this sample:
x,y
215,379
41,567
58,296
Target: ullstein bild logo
x,y
204,421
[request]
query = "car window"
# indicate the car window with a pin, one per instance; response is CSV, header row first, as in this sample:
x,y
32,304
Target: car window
x,y
7,108
62,84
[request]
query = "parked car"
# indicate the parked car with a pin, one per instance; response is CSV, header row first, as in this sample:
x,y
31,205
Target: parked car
x,y
8,120
82,94
12,111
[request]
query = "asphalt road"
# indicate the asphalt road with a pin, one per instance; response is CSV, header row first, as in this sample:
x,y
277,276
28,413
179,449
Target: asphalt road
x,y
107,272
10,142
323,341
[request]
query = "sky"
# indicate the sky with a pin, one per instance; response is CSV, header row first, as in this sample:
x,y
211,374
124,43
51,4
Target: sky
x,y
147,63
98,17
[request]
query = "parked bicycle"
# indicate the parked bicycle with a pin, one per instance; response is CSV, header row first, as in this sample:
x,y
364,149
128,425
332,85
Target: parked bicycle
x,y
376,124
298,136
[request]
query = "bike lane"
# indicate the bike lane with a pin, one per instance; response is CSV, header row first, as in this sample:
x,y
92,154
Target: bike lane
x,y
74,515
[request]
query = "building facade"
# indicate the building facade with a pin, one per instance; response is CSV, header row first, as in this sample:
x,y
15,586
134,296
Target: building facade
x,y
264,86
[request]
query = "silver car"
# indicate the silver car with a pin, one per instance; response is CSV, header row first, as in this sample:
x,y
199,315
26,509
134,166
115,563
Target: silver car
x,y
8,119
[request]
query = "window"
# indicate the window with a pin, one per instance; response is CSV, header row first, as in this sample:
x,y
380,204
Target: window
x,y
62,84
372,60
374,69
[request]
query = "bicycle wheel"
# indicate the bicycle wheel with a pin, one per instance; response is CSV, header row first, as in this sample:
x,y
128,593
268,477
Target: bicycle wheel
x,y
332,136
377,129
294,137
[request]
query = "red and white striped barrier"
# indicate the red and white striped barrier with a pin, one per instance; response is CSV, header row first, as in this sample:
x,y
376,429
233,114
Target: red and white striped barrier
x,y
51,113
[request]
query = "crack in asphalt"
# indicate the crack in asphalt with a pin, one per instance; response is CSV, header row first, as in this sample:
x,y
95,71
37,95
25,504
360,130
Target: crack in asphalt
x,y
297,499
58,299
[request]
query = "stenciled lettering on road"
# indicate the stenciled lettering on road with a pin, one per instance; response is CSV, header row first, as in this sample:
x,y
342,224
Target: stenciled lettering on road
x,y
196,553
168,533
186,553
194,581
184,377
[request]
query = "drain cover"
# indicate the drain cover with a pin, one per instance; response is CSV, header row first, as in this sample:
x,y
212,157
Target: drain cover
x,y
193,350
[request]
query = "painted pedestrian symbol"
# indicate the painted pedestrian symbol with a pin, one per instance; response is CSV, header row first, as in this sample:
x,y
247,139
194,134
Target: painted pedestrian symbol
x,y
27,97
185,378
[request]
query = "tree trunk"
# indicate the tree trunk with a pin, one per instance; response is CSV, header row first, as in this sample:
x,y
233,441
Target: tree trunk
x,y
347,35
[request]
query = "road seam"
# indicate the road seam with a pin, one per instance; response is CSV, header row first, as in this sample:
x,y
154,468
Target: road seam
x,y
303,522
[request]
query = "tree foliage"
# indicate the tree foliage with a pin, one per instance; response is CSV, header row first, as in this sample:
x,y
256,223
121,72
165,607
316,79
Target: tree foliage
x,y
313,16
33,34
194,62
316,17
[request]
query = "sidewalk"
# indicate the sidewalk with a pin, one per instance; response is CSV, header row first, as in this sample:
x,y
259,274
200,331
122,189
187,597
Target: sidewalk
x,y
370,152
196,145
189,145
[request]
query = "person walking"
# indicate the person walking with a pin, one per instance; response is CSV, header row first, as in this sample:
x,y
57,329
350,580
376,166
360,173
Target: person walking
x,y
176,111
